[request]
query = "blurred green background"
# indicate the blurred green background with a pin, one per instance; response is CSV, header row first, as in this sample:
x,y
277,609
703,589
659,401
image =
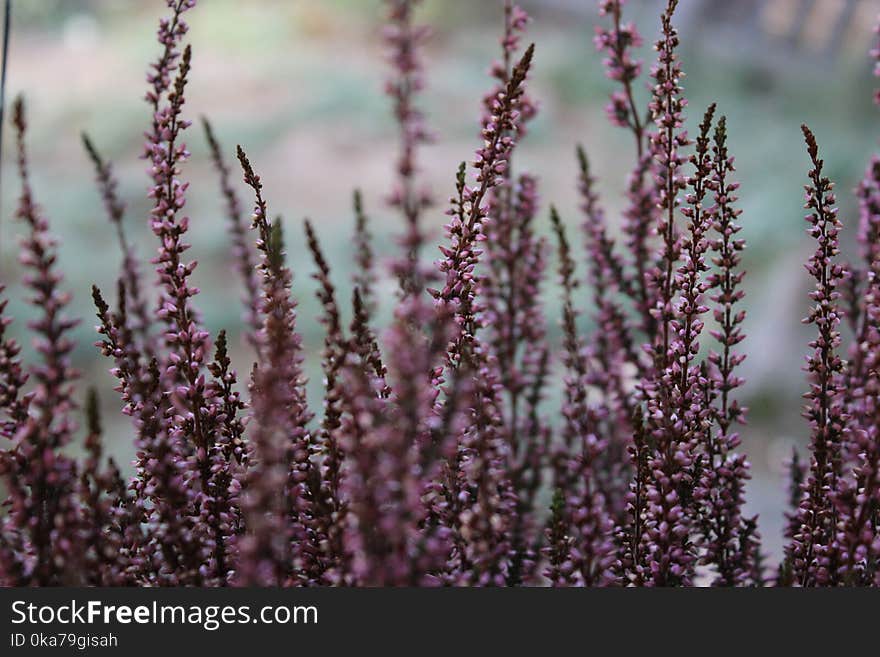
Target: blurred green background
x,y
299,84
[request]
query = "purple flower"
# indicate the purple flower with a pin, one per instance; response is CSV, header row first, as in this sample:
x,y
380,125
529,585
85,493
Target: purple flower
x,y
131,274
437,459
40,529
404,40
241,248
810,552
277,501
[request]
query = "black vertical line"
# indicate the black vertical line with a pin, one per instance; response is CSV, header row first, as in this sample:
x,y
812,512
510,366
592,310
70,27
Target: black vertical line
x,y
7,5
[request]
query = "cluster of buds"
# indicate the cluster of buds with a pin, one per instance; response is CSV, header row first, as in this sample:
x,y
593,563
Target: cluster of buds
x,y
618,43
405,39
433,458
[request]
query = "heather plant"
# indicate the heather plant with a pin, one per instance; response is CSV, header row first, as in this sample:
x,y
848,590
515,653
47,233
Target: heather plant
x,y
439,454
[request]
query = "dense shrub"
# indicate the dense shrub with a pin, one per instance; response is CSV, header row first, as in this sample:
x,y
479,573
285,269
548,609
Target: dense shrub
x,y
433,456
